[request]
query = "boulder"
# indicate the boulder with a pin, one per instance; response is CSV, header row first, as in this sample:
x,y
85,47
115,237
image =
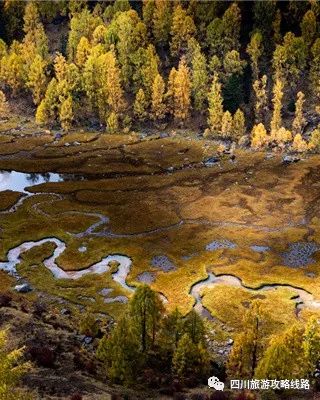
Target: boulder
x,y
289,159
23,288
88,340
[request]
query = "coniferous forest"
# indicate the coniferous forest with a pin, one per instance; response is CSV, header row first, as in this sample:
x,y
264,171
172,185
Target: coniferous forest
x,y
246,72
159,199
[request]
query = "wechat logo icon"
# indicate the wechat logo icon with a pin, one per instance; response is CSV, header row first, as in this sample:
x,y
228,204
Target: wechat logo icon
x,y
213,382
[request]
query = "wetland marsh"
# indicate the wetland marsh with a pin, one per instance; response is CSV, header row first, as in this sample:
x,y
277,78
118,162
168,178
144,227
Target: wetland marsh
x,y
194,233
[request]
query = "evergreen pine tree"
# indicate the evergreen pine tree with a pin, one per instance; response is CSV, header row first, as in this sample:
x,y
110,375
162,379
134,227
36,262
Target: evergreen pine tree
x,y
162,19
182,30
145,311
148,7
172,329
233,93
238,125
140,105
190,359
231,24
226,125
309,27
199,78
255,51
120,353
194,327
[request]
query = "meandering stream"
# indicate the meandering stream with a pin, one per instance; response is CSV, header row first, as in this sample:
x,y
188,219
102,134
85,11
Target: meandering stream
x,y
124,263
19,181
303,298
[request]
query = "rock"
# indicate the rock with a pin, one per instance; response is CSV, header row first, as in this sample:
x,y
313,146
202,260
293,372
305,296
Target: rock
x,y
76,143
57,136
289,159
82,249
88,339
244,141
67,144
230,342
65,311
23,288
170,169
211,161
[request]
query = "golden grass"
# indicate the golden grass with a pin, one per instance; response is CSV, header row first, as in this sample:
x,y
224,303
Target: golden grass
x,y
263,202
229,304
8,198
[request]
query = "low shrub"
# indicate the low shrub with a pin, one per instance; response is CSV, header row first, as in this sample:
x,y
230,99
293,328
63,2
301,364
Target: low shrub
x,y
44,356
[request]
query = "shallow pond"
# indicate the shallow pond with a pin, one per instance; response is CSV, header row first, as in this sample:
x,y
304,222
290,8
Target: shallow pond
x,y
163,262
18,181
259,248
300,254
220,244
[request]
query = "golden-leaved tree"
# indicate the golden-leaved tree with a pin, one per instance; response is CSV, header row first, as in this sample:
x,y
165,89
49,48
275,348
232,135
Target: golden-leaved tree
x,y
249,344
182,29
215,107
179,92
259,136
37,79
158,106
261,99
299,120
276,121
140,105
199,78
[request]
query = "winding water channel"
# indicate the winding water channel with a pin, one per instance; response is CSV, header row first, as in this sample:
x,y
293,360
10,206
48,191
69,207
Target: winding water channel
x,y
19,181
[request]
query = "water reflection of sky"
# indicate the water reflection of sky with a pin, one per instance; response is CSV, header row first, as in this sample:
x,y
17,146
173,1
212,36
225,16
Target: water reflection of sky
x,y
18,181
